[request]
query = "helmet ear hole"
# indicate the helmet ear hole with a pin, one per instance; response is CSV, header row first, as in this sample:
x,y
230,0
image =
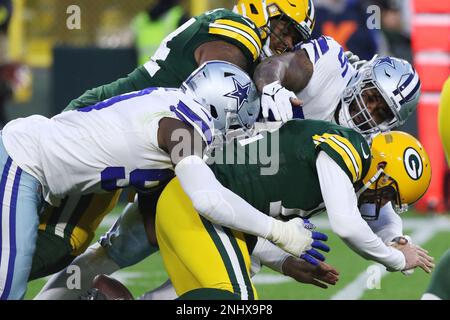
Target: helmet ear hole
x,y
253,9
213,111
382,165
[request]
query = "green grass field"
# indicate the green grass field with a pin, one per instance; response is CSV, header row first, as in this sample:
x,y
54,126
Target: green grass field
x,y
432,232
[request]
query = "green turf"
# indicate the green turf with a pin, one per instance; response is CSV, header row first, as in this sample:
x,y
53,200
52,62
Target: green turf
x,y
398,286
150,274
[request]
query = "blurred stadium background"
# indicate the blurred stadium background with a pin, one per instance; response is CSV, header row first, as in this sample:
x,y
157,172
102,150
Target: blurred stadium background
x,y
45,62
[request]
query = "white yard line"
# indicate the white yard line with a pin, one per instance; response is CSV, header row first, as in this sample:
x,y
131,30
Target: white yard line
x,y
424,230
264,278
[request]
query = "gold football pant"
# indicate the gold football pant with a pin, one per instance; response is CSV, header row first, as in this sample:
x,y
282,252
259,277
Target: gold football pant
x,y
66,231
196,253
78,217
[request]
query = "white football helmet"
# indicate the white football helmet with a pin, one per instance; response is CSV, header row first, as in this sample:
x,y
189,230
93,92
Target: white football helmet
x,y
399,86
227,92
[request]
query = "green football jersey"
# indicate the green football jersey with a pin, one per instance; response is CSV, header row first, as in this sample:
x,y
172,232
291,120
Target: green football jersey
x,y
277,173
174,60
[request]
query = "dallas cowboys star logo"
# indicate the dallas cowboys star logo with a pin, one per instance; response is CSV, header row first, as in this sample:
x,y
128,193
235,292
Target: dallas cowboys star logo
x,y
240,93
385,60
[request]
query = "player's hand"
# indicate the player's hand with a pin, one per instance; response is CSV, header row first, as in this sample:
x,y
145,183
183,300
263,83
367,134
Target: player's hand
x,y
403,240
294,237
279,100
415,256
354,60
302,271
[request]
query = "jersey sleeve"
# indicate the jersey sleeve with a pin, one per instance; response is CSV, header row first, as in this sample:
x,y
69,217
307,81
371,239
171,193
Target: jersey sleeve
x,y
316,48
238,31
352,153
195,115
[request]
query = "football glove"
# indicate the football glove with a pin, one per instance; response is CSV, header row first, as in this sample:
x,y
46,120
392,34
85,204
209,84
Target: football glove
x,y
312,256
277,99
295,238
354,60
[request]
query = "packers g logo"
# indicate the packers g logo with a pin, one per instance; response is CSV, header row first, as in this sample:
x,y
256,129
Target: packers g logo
x,y
413,163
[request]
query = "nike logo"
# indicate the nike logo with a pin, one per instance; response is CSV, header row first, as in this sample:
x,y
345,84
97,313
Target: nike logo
x,y
363,152
292,4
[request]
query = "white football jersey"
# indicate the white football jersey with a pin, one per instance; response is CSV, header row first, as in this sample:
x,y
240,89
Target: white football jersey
x,y
332,72
109,145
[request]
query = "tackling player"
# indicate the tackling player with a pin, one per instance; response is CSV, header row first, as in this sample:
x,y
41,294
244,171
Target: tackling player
x,y
105,147
322,167
238,37
126,243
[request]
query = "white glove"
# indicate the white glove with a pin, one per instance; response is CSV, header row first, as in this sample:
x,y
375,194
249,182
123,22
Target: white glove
x,y
291,236
354,60
277,98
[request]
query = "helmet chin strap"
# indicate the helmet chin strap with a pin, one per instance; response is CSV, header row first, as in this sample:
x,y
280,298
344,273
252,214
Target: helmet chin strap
x,y
337,114
266,48
340,118
370,182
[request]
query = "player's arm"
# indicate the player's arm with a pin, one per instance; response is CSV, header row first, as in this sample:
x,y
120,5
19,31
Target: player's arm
x,y
268,254
388,226
292,69
346,221
218,204
277,78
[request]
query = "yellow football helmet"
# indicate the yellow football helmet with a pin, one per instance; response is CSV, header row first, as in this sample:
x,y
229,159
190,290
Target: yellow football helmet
x,y
255,10
400,171
300,12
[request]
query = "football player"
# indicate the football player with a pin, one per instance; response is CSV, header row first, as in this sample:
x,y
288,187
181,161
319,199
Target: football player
x,y
444,110
238,37
322,167
105,147
439,287
318,73
126,243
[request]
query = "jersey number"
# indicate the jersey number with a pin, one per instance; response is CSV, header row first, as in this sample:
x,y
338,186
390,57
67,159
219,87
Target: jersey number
x,y
344,62
138,177
163,51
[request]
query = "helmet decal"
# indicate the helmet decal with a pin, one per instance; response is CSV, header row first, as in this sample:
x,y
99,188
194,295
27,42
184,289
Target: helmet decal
x,y
405,174
227,93
413,163
385,60
240,93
